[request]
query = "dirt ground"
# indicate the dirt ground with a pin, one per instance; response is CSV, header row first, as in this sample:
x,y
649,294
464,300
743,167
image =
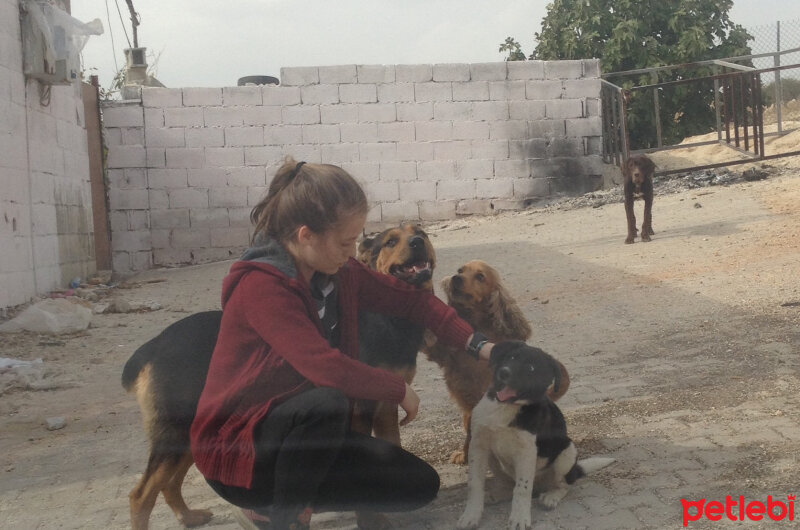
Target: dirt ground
x,y
682,354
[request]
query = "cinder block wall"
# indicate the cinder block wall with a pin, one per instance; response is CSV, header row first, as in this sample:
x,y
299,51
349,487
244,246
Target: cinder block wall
x,y
427,142
45,196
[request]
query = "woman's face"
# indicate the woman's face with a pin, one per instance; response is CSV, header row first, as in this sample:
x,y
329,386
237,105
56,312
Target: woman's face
x,y
329,251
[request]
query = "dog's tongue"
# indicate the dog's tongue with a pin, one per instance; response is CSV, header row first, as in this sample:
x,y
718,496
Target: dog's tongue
x,y
506,394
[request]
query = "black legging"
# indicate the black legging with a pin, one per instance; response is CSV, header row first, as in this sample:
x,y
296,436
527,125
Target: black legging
x,y
306,455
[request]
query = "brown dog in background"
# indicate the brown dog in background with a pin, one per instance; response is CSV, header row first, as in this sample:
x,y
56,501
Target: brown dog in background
x,y
638,174
479,296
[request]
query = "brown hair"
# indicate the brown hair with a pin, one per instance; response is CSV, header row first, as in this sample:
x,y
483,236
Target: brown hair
x,y
315,195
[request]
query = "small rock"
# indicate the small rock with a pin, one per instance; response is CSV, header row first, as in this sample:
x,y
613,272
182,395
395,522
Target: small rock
x,y
58,315
56,423
698,205
119,305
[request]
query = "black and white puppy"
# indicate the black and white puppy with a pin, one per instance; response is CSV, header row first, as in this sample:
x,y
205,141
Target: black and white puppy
x,y
521,434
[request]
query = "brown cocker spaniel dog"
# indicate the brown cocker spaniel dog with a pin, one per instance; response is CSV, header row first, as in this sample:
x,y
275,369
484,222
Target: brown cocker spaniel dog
x,y
479,296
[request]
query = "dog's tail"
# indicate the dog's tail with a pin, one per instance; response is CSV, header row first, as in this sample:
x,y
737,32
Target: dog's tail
x,y
587,465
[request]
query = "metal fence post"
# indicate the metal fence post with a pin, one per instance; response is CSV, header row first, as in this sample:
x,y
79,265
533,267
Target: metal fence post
x,y
717,103
656,108
778,91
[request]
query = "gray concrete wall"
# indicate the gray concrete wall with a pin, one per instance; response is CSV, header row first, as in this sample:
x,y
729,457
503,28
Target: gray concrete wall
x,y
427,142
46,235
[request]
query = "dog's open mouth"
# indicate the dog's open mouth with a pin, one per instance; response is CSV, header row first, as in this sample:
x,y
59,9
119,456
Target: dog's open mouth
x,y
506,394
413,272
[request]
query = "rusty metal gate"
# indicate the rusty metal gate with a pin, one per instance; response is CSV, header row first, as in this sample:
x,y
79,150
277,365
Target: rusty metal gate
x,y
737,102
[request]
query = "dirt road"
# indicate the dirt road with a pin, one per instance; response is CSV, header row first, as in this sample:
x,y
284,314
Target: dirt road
x,y
682,354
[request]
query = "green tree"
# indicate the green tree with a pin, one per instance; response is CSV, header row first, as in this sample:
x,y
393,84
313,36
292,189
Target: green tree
x,y
514,50
632,34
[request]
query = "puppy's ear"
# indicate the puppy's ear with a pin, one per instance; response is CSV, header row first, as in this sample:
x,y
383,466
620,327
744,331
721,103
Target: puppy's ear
x,y
556,373
506,316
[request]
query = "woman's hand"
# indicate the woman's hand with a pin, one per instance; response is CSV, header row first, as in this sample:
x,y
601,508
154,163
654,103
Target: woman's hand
x,y
410,404
485,353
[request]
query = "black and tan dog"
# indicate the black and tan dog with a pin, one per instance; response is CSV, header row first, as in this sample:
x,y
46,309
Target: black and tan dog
x,y
392,343
521,435
638,175
168,372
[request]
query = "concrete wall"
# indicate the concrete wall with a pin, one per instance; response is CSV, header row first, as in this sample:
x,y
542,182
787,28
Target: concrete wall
x,y
45,199
427,142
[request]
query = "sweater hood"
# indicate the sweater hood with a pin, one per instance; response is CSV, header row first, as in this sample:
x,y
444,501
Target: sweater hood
x,y
265,251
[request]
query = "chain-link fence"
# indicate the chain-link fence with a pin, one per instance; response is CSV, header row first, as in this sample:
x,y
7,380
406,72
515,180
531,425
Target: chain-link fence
x,y
780,36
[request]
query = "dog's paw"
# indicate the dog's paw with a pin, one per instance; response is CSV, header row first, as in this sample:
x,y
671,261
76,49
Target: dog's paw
x,y
550,499
469,519
522,523
191,518
458,458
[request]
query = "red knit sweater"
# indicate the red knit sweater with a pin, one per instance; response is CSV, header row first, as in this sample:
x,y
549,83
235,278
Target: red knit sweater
x,y
271,347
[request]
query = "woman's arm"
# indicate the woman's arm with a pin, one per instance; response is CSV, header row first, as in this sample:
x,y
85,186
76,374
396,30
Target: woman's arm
x,y
280,317
387,295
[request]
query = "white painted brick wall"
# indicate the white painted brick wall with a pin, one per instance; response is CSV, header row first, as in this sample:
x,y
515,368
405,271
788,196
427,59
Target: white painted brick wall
x,y
371,73
45,203
358,93
413,73
451,72
319,94
427,142
202,97
241,95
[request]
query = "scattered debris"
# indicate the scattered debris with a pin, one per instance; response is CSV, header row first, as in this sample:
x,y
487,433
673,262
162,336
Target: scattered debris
x,y
133,285
664,185
100,278
754,174
120,305
11,365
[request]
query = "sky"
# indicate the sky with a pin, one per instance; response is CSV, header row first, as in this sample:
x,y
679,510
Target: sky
x,y
203,43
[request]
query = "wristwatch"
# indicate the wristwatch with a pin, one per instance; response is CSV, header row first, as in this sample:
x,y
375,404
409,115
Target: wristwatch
x,y
476,343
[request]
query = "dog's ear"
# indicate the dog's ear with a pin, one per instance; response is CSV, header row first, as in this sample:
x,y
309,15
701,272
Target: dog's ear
x,y
556,372
365,248
445,285
506,316
626,168
649,166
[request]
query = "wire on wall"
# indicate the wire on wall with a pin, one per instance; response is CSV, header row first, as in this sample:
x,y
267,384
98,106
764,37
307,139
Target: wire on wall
x,y
111,34
121,21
